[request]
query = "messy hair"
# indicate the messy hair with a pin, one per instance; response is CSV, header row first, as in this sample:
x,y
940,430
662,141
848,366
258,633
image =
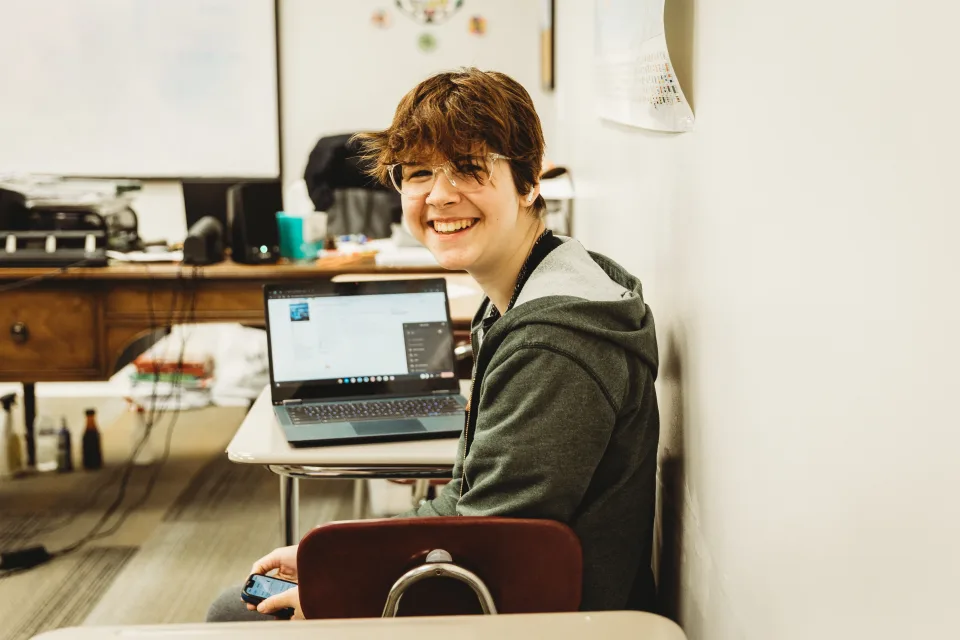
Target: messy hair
x,y
457,114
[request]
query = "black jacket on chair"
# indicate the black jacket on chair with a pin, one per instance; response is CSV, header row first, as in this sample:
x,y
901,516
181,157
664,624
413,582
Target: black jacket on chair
x,y
354,201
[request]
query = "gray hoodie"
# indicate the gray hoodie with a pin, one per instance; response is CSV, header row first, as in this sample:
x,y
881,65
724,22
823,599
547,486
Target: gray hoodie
x,y
564,422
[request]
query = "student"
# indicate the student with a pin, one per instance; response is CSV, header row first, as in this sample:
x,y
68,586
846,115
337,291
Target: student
x,y
563,422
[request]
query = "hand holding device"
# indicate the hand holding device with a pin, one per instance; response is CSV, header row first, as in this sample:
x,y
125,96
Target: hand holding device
x,y
284,560
275,592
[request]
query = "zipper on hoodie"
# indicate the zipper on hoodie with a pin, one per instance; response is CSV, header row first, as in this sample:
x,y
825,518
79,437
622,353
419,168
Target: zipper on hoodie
x,y
533,260
466,429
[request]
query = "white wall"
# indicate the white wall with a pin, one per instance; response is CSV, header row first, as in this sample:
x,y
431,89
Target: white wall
x,y
339,73
798,250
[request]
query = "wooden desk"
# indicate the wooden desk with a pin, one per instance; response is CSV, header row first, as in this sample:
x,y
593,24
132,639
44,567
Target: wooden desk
x,y
555,626
74,325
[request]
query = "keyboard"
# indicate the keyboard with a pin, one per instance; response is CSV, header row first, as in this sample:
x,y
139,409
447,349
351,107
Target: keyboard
x,y
360,410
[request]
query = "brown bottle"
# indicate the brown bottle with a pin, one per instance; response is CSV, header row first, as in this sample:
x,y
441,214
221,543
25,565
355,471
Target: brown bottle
x,y
92,453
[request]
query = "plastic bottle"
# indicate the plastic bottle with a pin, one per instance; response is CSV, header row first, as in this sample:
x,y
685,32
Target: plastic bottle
x,y
92,453
45,429
64,448
11,454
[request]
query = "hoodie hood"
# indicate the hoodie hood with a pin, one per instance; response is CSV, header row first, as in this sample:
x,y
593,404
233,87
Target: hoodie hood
x,y
565,424
587,293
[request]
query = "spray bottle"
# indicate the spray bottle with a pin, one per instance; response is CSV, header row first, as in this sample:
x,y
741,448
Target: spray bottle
x,y
11,454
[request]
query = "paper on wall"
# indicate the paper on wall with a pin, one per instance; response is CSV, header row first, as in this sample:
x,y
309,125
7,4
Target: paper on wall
x,y
637,85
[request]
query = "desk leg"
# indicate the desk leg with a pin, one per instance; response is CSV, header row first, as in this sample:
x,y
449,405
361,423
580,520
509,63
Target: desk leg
x,y
421,489
29,414
358,498
290,509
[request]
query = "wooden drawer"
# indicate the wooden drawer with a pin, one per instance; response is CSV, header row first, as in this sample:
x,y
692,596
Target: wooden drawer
x,y
161,303
62,333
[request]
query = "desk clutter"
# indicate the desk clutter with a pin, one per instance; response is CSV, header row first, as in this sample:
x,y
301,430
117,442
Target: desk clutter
x,y
189,370
199,365
56,447
50,221
47,221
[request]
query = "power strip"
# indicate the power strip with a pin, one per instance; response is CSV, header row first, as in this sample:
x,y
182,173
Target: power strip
x,y
24,558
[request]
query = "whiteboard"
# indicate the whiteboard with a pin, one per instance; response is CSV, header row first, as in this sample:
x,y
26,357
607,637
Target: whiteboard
x,y
139,88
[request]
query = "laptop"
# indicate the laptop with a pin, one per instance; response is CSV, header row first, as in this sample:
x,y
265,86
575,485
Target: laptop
x,y
359,362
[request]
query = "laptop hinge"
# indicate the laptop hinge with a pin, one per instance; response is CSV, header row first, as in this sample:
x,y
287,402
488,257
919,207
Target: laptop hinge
x,y
292,402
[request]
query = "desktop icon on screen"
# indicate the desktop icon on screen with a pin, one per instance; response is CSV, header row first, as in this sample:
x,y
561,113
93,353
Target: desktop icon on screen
x,y
299,312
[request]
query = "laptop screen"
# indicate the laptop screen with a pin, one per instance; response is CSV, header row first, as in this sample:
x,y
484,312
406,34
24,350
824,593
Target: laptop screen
x,y
360,336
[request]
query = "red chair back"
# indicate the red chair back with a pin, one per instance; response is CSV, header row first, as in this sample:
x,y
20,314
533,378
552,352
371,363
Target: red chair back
x,y
529,566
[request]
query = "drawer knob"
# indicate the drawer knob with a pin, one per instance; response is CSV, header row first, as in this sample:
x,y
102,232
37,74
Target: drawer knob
x,y
20,333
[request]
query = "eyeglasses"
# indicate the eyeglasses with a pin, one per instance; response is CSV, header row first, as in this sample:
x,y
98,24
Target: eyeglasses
x,y
466,175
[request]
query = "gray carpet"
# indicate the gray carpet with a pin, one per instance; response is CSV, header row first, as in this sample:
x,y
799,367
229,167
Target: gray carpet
x,y
205,523
74,584
208,542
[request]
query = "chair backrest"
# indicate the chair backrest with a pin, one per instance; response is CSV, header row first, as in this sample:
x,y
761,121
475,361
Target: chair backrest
x,y
529,566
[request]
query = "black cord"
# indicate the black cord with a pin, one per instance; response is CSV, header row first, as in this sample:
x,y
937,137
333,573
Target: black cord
x,y
176,390
75,513
126,471
156,414
19,284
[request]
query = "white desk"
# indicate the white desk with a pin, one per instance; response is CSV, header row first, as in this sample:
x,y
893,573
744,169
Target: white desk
x,y
556,626
259,440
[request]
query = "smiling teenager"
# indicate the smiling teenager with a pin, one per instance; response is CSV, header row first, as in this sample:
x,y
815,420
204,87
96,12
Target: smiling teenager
x,y
563,422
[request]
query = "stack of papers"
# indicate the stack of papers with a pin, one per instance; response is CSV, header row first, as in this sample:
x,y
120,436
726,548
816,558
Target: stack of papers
x,y
146,256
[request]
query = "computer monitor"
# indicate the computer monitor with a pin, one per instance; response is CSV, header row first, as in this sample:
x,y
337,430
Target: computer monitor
x,y
206,198
247,209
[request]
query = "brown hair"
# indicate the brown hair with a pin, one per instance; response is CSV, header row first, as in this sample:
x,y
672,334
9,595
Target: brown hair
x,y
451,114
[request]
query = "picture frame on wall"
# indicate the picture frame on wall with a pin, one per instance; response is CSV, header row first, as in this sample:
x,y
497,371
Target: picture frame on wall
x,y
547,36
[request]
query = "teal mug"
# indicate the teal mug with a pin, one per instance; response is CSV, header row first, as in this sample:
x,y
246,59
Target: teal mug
x,y
292,244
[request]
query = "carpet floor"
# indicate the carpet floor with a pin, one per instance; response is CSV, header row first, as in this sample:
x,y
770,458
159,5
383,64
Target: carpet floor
x,y
204,523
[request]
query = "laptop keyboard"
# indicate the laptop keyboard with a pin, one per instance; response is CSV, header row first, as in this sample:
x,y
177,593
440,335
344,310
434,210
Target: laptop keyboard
x,y
356,411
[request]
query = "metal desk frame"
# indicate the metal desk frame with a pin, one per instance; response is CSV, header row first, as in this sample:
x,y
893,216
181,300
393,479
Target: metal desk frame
x,y
290,476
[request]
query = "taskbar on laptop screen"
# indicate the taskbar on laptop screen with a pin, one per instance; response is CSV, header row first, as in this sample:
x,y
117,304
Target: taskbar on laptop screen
x,y
413,376
360,386
362,380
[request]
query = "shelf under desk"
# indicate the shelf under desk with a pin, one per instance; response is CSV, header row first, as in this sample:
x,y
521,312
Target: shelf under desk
x,y
260,440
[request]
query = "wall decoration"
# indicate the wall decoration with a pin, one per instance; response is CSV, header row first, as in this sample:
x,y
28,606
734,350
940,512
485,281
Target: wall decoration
x,y
478,25
380,18
636,82
547,14
429,11
427,42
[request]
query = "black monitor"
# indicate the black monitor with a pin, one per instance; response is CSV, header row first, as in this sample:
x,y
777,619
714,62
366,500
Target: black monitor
x,y
206,198
255,206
